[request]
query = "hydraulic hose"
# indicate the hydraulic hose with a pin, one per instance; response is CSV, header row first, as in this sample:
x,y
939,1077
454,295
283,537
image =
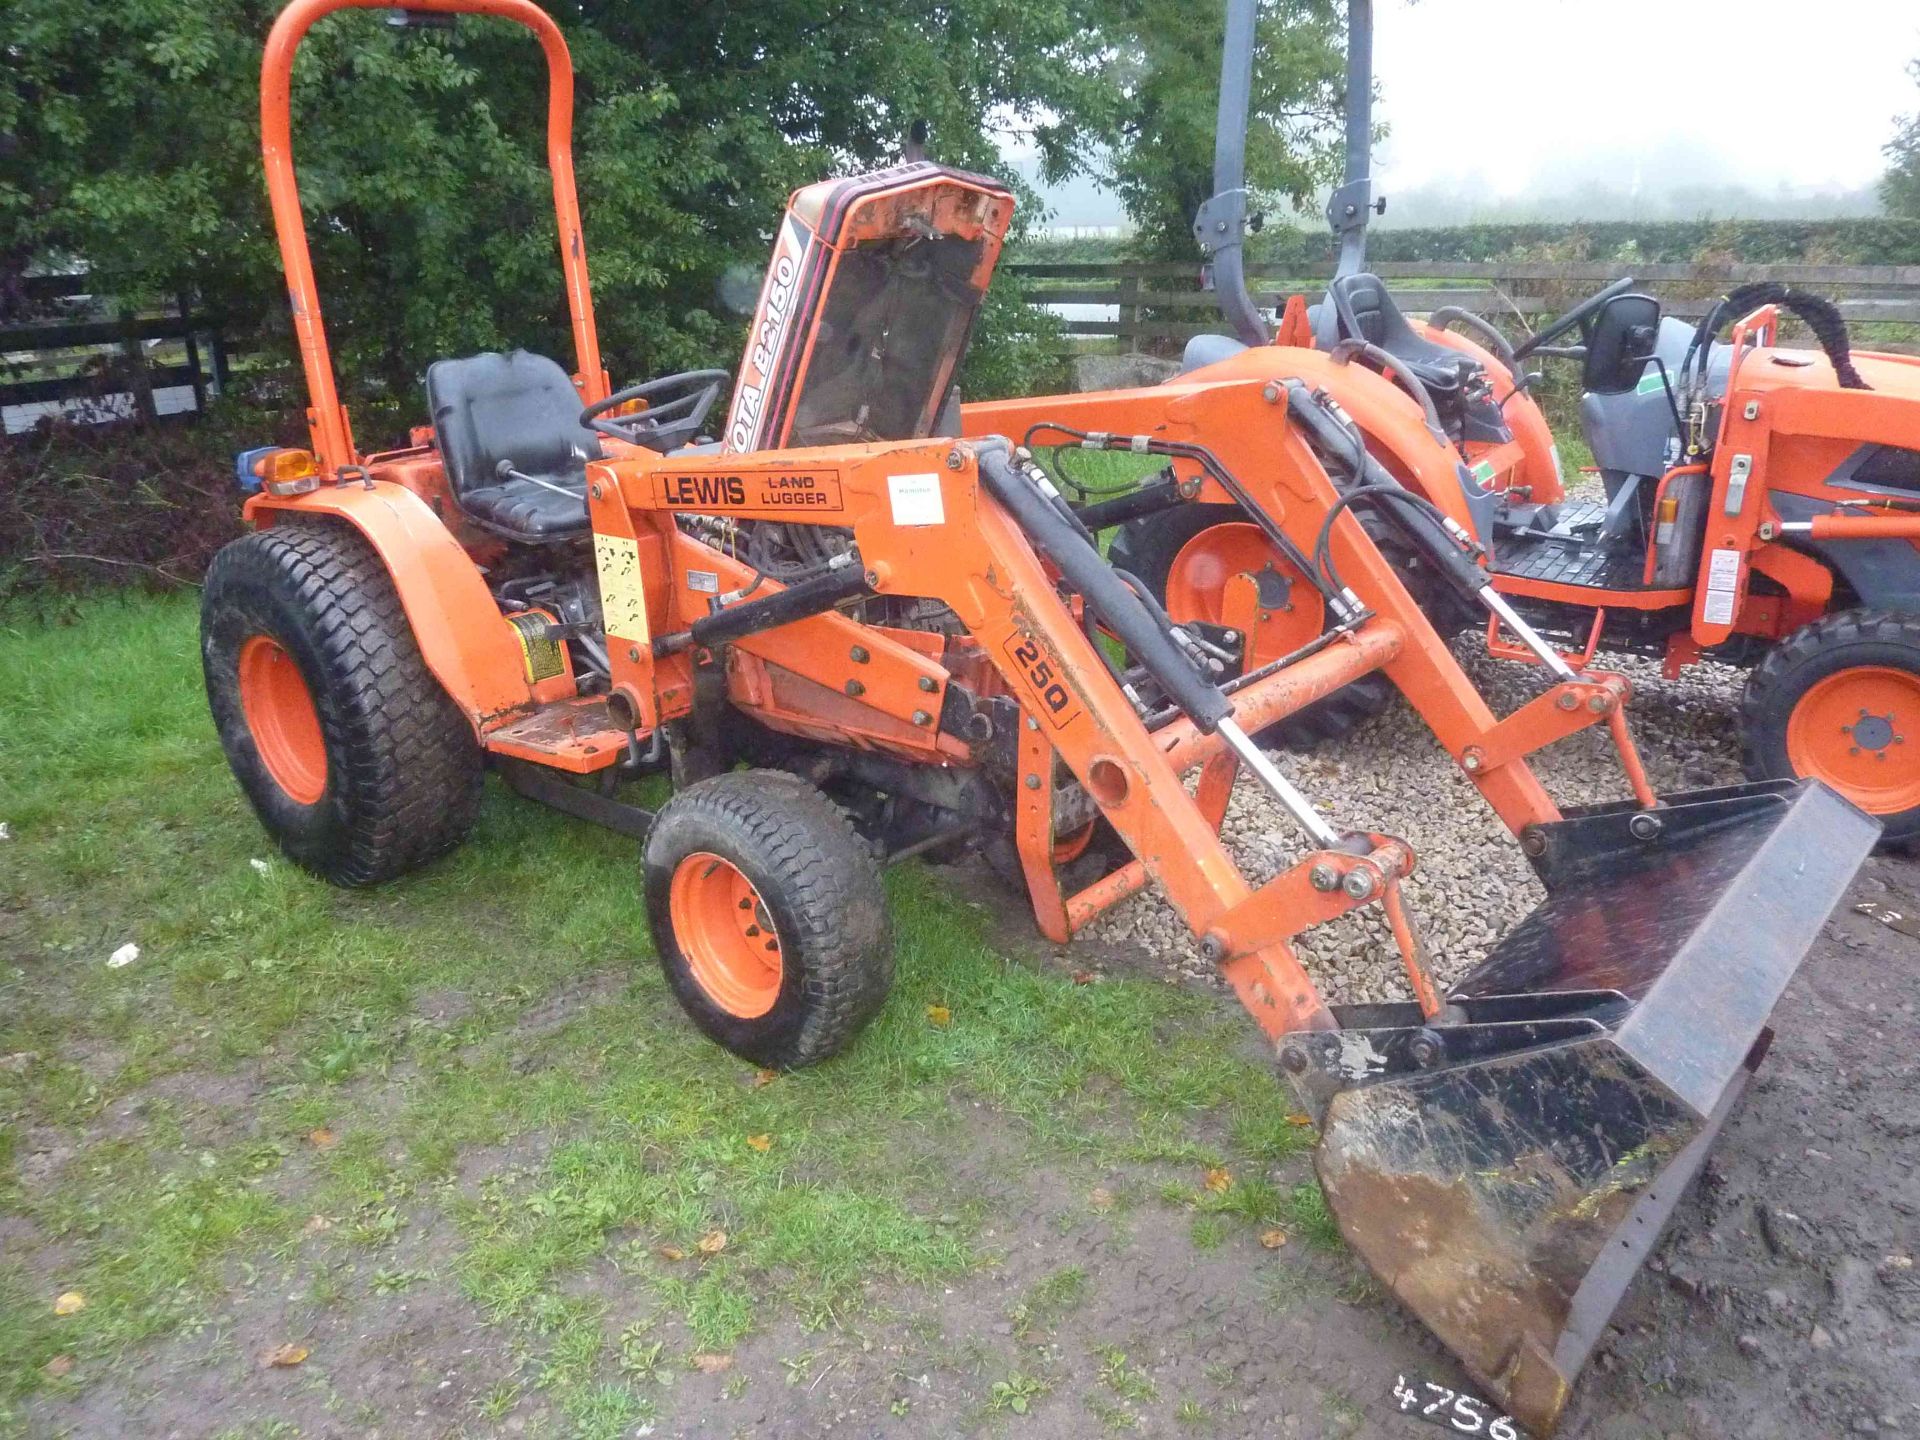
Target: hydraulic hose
x,y
1131,621
1821,315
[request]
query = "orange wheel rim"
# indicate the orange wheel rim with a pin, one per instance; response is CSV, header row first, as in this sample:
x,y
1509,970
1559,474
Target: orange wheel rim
x,y
723,929
1197,579
1858,730
1283,616
282,719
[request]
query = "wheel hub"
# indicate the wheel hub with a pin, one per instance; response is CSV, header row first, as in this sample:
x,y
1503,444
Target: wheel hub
x,y
1873,732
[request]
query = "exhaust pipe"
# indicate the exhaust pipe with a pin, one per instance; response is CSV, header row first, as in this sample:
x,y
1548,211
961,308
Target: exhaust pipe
x,y
1507,1168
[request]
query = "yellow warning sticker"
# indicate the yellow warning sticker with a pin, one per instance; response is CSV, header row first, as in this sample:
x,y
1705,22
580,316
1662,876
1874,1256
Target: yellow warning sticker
x,y
623,602
539,651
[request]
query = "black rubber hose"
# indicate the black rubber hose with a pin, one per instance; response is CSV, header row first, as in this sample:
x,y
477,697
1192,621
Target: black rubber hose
x,y
1105,593
1822,317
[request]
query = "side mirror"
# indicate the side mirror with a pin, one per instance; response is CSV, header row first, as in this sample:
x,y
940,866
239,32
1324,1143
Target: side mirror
x,y
1620,343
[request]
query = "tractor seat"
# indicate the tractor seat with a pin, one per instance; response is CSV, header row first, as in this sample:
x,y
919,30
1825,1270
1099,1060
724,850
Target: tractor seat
x,y
509,432
1364,310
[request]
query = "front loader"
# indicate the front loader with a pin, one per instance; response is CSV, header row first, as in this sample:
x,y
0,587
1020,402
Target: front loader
x,y
852,638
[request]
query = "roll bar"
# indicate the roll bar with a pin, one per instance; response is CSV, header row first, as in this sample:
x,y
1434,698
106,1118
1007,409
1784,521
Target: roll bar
x,y
1221,225
327,419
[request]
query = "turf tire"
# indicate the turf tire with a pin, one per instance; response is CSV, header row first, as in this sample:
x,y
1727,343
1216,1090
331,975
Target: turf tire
x,y
403,771
821,887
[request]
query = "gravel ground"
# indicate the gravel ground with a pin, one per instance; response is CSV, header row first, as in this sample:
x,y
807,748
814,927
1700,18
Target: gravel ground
x,y
1470,884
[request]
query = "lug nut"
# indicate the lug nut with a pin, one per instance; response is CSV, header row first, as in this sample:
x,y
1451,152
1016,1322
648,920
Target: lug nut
x,y
1597,704
1323,877
1358,884
1567,702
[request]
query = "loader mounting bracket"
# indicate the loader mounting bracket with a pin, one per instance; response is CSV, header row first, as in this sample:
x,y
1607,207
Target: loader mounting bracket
x,y
1594,840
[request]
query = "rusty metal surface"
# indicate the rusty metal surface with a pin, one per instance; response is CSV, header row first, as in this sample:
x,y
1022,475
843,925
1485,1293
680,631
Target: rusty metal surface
x,y
1508,1197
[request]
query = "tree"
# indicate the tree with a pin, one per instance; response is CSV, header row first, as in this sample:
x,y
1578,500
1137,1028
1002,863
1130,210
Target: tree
x,y
129,143
1900,189
1169,78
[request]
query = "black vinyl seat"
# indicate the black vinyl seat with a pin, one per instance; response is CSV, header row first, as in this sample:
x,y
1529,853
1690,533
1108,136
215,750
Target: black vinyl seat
x,y
509,432
1364,310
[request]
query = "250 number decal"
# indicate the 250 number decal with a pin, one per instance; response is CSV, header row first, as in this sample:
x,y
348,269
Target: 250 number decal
x,y
1055,699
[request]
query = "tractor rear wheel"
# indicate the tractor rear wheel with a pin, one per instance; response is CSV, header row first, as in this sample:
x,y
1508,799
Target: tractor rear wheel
x,y
1185,556
354,758
768,916
1839,701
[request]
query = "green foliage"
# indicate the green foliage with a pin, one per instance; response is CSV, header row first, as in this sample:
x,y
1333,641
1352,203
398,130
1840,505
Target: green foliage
x,y
1169,71
129,143
1900,190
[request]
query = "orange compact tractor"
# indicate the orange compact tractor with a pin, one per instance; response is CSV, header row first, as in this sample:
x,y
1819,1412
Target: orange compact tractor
x,y
853,634
1761,503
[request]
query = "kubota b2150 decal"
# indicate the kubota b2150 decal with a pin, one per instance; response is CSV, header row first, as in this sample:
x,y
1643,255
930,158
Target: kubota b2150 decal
x,y
753,397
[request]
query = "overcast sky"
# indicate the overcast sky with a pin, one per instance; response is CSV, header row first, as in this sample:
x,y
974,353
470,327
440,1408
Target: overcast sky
x,y
1636,97
1822,81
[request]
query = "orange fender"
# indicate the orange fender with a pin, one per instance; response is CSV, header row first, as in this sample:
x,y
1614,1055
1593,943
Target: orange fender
x,y
468,647
1539,467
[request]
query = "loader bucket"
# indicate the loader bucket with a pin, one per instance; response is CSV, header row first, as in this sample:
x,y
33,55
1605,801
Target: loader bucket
x,y
1507,1168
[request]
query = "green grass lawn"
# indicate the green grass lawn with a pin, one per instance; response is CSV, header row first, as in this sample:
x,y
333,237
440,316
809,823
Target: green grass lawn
x,y
476,1079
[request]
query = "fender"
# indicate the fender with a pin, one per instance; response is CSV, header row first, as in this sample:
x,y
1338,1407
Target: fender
x,y
1539,467
470,651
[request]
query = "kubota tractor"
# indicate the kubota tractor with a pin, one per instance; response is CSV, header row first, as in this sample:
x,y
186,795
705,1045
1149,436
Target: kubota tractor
x,y
852,638
1761,503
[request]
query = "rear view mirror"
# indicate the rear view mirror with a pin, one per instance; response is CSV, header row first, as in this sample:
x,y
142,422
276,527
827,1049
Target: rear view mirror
x,y
1620,343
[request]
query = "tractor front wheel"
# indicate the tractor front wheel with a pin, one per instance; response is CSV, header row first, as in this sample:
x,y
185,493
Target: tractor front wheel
x,y
354,758
1839,701
768,916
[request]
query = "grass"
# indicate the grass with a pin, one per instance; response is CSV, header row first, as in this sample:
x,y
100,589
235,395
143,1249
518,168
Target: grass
x,y
476,1079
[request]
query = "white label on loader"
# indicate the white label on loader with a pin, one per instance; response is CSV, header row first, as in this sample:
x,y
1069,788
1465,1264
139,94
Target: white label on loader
x,y
1723,586
623,603
1723,571
916,500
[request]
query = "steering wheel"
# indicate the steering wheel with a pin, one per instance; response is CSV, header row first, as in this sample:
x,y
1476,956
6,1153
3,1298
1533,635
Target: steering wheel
x,y
665,423
1578,316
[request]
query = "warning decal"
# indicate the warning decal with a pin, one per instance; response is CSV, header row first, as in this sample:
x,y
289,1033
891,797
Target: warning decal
x,y
623,603
539,651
